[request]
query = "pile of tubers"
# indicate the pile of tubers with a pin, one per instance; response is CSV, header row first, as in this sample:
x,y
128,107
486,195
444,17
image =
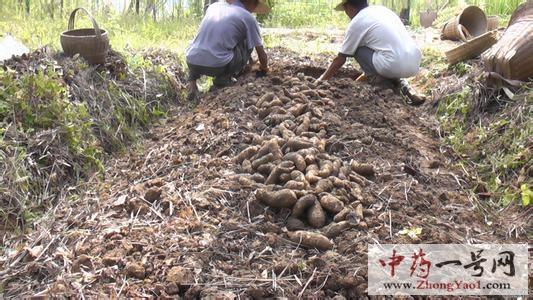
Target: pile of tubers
x,y
292,169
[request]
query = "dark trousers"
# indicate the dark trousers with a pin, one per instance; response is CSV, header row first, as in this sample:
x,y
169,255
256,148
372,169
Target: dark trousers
x,y
364,56
241,57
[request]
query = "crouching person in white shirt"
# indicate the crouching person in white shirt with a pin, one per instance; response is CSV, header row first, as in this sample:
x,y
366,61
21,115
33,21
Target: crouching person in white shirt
x,y
380,43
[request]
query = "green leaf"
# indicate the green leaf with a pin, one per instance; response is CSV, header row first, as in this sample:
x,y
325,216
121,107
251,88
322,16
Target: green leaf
x,y
527,194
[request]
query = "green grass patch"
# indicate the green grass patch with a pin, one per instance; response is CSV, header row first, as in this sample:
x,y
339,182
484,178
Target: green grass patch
x,y
495,143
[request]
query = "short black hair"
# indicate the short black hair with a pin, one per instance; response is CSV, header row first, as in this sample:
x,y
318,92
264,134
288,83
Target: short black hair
x,y
359,4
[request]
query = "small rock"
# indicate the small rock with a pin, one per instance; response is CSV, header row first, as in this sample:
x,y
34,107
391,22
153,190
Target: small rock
x,y
172,288
153,195
110,259
385,177
434,164
271,239
82,260
135,270
270,227
276,80
180,276
367,140
255,293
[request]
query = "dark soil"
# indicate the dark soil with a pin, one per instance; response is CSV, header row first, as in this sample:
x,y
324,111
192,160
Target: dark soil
x,y
177,218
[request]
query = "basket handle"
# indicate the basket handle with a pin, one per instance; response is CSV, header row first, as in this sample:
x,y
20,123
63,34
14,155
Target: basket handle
x,y
73,17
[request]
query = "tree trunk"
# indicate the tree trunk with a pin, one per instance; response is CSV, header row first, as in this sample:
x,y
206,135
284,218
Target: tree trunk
x,y
27,2
51,9
137,7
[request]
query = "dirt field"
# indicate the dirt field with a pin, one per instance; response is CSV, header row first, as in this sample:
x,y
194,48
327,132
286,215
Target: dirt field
x,y
207,207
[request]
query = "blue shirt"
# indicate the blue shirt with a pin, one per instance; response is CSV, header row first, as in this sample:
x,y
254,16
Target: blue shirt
x,y
224,27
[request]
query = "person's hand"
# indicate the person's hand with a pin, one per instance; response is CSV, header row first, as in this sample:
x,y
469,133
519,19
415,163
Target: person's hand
x,y
263,71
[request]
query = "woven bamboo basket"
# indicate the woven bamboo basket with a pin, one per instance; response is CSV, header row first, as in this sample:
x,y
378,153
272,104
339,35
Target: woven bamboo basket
x,y
472,48
90,43
512,56
471,22
522,12
493,22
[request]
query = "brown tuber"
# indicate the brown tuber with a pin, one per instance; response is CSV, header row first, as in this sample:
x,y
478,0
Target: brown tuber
x,y
275,119
265,98
284,177
365,170
341,216
304,126
308,151
326,168
316,215
258,178
246,181
302,205
271,147
331,203
266,169
311,240
285,132
323,186
280,199
296,144
246,154
297,159
247,166
334,229
294,224
273,103
295,185
312,176
310,159
284,167
262,160
298,109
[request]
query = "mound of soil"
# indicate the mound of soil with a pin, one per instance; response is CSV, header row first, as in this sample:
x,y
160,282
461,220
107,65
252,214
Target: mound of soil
x,y
184,217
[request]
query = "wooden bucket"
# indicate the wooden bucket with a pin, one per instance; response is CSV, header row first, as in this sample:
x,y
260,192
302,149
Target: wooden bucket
x,y
90,43
471,22
493,22
512,56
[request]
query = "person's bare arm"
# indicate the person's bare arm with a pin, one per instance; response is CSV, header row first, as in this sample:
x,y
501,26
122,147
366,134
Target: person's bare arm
x,y
335,65
263,58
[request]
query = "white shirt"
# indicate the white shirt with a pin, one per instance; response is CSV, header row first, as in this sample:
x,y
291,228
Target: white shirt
x,y
223,27
378,28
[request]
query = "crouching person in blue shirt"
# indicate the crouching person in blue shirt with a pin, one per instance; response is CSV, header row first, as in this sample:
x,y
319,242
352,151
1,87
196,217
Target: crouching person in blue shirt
x,y
224,43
